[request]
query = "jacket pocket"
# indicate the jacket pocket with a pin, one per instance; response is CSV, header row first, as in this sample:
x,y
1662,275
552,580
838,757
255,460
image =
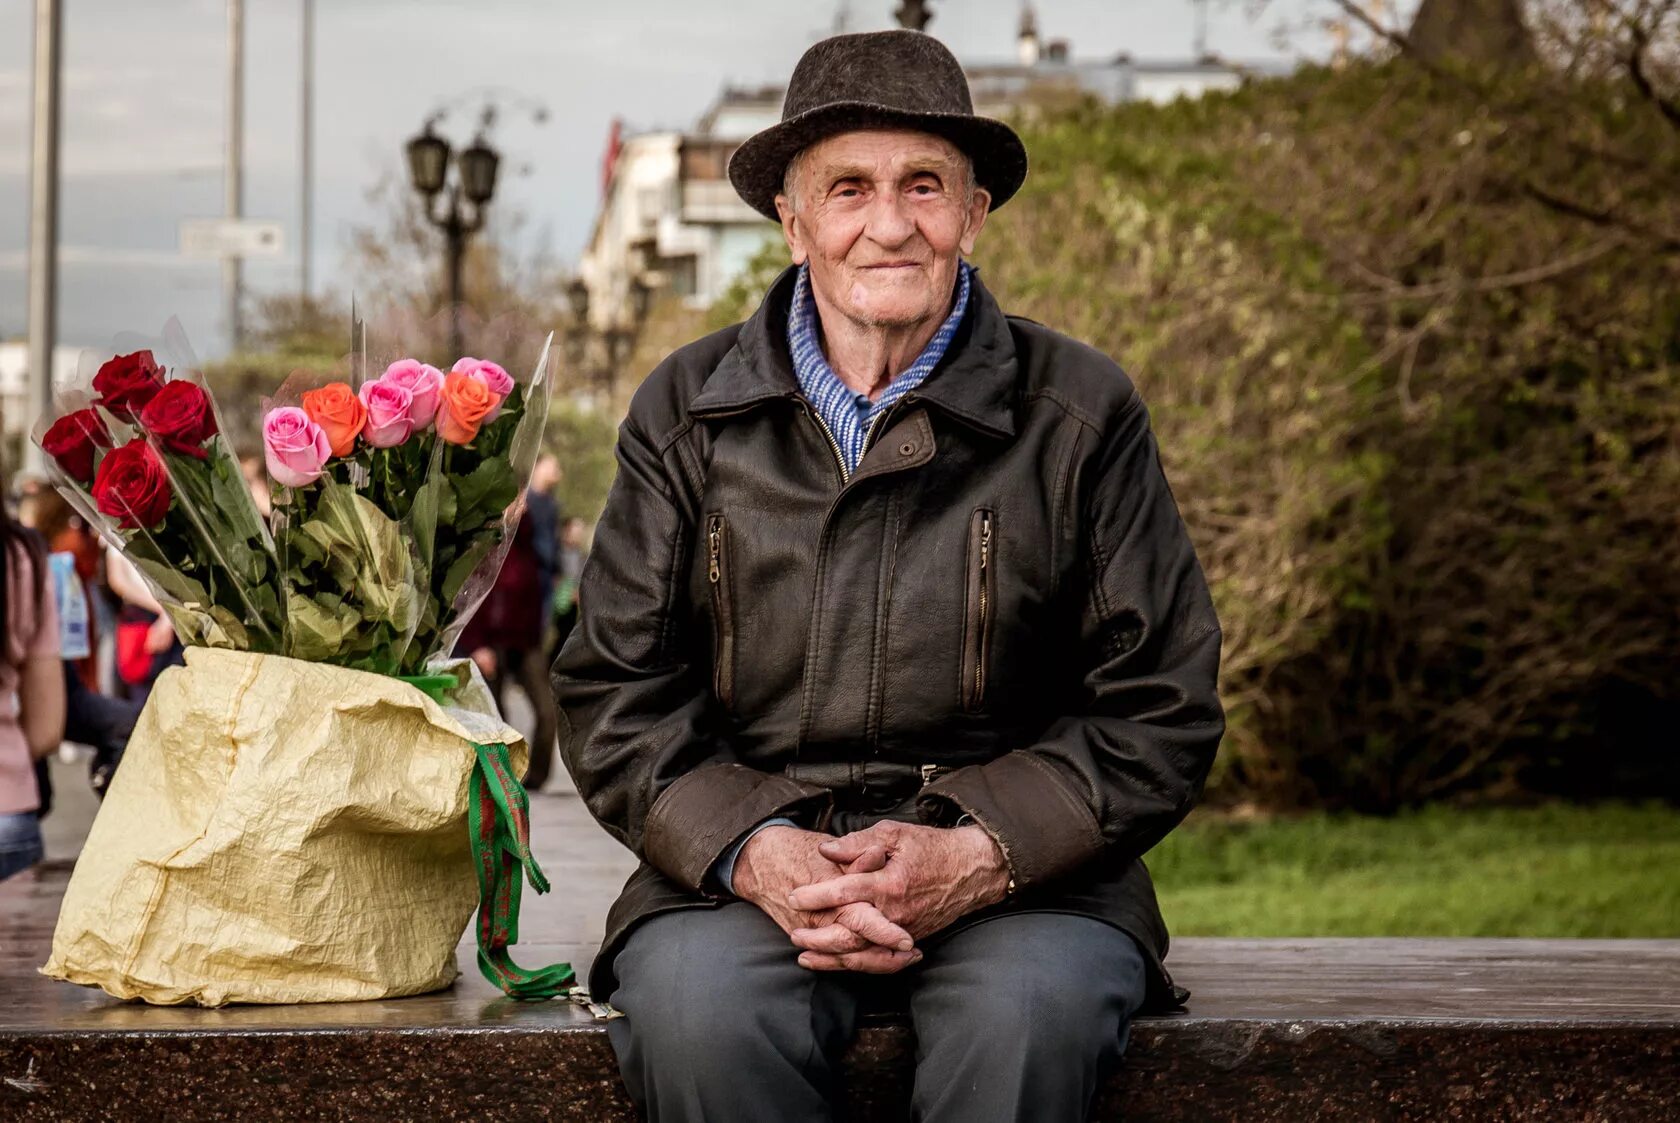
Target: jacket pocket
x,y
979,600
723,611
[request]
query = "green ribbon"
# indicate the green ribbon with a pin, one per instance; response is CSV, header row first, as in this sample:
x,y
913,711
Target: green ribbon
x,y
435,687
498,815
499,824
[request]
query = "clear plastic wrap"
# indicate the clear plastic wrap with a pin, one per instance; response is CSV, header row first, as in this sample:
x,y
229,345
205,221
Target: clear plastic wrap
x,y
395,493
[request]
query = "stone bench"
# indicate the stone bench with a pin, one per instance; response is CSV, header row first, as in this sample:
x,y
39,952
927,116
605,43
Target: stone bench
x,y
1394,1029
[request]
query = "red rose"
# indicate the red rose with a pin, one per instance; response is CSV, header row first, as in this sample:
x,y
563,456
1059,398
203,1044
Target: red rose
x,y
132,486
128,382
180,418
72,441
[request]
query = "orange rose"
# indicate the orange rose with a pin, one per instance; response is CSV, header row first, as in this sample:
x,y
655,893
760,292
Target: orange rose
x,y
339,413
463,404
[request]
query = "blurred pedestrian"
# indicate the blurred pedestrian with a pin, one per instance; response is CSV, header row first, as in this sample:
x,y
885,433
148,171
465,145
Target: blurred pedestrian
x,y
505,639
542,511
146,641
31,690
91,718
565,607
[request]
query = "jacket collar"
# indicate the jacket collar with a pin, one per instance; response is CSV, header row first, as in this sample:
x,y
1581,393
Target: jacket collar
x,y
976,382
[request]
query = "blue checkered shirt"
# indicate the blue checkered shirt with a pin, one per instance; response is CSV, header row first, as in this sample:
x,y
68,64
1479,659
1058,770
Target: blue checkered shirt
x,y
846,412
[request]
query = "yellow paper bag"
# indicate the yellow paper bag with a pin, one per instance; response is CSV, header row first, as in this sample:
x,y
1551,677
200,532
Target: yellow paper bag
x,y
281,831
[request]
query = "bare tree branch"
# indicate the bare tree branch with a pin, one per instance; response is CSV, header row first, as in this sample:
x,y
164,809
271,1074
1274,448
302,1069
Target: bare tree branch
x,y
1669,107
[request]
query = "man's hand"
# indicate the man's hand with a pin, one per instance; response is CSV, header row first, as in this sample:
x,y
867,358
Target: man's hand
x,y
921,878
778,860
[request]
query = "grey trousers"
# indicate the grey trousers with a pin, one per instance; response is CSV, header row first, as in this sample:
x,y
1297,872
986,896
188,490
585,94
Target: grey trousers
x,y
1016,1018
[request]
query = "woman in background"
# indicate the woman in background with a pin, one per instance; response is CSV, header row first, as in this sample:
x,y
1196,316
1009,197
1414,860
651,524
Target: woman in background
x,y
90,718
31,690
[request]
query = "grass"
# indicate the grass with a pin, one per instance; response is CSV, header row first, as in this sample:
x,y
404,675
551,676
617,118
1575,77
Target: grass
x,y
1554,870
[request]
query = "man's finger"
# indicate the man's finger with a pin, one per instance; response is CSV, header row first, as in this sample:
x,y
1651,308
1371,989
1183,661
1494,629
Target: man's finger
x,y
848,889
873,961
848,847
856,857
869,922
831,938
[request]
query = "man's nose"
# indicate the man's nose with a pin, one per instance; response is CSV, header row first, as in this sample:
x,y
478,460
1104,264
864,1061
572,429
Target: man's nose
x,y
890,223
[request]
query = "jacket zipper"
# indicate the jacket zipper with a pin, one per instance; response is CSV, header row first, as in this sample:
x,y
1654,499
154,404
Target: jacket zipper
x,y
723,615
868,436
980,596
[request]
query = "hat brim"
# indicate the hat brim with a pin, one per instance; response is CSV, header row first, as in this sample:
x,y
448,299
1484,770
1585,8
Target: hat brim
x,y
759,165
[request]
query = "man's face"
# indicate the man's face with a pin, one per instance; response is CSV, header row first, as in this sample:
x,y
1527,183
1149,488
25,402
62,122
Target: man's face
x,y
883,216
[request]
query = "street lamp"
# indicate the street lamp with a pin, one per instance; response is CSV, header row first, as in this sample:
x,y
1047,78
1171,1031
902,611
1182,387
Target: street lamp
x,y
429,157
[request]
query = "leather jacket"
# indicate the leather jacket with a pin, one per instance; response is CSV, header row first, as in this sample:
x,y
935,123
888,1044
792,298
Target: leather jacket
x,y
997,615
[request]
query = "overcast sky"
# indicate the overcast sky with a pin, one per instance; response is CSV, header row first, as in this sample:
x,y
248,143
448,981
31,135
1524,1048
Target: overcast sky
x,y
144,87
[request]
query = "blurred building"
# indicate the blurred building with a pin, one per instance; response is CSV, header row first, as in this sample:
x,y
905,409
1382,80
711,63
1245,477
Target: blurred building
x,y
17,413
670,217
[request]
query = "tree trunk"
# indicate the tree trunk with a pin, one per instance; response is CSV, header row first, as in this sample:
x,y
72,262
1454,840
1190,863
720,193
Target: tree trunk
x,y
1480,32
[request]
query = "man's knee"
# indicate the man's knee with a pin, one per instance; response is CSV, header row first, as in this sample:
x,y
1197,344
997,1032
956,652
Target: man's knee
x,y
700,987
1048,985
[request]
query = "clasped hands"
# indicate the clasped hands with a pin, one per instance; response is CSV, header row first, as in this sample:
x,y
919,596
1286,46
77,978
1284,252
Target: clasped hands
x,y
860,902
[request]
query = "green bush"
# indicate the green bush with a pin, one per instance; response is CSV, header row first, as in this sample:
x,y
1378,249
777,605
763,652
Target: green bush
x,y
1416,376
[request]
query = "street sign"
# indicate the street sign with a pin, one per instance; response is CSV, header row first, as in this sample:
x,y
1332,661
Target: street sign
x,y
231,237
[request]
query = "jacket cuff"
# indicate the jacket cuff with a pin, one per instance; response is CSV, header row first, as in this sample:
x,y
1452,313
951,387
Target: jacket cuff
x,y
1037,818
698,817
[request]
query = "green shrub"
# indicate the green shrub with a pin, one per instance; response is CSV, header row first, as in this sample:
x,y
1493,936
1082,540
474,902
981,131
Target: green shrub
x,y
1423,421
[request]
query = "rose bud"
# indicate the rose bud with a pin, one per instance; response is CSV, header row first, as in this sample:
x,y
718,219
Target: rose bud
x,y
180,417
73,441
422,381
339,413
127,382
462,407
294,447
132,486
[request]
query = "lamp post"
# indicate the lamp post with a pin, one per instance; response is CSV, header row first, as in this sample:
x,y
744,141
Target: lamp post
x,y
429,160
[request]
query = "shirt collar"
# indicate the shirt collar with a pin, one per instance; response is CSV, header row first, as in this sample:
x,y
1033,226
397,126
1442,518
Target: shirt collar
x,y
817,379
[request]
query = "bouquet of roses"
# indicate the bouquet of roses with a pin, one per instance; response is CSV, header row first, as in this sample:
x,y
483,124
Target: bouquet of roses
x,y
319,768
393,503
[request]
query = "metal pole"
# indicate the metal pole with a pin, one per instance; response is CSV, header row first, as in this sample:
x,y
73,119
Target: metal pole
x,y
306,129
455,235
43,219
235,178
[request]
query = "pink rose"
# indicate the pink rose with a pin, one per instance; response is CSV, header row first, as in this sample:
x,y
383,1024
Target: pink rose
x,y
498,381
421,381
390,413
294,446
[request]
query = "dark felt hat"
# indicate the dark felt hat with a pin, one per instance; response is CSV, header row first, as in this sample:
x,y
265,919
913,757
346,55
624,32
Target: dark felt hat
x,y
879,79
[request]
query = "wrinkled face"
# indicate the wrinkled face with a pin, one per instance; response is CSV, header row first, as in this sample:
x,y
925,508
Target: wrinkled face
x,y
883,216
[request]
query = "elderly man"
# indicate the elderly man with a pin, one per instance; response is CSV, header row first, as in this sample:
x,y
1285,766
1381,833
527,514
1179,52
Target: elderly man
x,y
894,656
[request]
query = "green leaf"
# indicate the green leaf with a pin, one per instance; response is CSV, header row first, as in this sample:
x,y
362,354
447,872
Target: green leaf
x,y
226,630
465,564
485,493
173,582
318,633
384,580
423,517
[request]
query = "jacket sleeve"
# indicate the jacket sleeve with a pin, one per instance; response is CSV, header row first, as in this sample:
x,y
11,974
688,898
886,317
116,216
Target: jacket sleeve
x,y
1117,776
633,691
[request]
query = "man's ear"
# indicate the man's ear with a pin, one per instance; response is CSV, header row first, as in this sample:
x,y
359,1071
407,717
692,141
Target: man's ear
x,y
977,212
790,230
